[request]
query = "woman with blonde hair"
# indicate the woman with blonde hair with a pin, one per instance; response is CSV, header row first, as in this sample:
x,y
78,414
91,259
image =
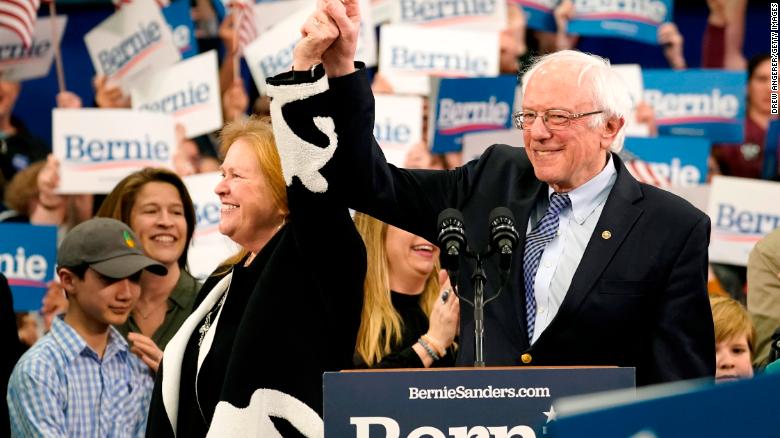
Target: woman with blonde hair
x,y
408,321
271,320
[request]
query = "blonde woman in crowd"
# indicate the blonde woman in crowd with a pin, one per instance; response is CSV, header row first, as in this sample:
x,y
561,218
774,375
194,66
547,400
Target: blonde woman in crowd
x,y
408,321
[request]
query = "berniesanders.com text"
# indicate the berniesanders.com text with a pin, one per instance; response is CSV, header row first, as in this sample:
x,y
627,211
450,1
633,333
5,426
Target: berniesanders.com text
x,y
489,391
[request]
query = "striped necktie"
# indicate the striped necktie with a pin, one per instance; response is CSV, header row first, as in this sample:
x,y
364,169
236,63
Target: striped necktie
x,y
535,243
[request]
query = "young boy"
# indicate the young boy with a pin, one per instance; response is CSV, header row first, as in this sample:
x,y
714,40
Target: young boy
x,y
81,379
734,337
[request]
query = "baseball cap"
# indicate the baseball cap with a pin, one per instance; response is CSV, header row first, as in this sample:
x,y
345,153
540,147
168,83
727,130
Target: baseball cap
x,y
108,246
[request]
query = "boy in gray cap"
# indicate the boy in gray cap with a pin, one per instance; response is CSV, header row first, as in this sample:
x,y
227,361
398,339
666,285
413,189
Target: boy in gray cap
x,y
81,379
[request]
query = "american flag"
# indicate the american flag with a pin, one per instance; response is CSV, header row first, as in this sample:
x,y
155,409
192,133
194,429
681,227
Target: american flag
x,y
19,16
119,3
246,26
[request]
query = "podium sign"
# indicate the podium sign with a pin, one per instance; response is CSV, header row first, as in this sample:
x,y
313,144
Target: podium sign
x,y
746,408
463,402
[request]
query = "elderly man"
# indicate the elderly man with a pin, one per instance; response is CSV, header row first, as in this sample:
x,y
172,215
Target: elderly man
x,y
610,272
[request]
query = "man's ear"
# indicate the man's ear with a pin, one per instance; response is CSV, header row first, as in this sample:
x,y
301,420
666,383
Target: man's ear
x,y
611,129
67,280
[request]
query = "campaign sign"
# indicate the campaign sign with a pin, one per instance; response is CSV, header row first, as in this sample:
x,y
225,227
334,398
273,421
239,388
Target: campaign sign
x,y
744,408
475,143
98,147
770,168
189,91
18,63
476,402
382,11
478,15
667,161
221,7
272,52
471,105
632,78
209,247
696,102
408,65
178,16
268,14
134,40
634,20
539,13
28,254
397,125
742,212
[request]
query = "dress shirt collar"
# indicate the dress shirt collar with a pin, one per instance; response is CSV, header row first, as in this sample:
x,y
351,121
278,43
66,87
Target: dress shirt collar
x,y
585,198
73,344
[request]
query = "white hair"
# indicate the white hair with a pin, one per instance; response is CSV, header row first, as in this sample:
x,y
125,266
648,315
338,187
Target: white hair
x,y
607,88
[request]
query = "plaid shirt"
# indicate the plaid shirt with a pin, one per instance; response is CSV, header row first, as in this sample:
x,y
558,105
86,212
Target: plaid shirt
x,y
61,388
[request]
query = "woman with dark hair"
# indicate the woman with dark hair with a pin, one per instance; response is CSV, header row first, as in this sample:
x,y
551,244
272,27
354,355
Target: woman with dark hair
x,y
156,205
747,159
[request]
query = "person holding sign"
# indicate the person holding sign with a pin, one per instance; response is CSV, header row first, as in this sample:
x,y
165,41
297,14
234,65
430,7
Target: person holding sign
x,y
156,205
608,271
408,320
81,379
268,322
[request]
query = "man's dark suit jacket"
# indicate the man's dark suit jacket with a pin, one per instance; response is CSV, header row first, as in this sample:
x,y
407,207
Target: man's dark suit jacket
x,y
638,297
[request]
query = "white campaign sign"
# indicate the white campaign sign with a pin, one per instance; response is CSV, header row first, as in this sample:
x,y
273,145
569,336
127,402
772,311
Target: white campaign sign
x,y
19,64
272,52
98,147
189,91
632,76
742,213
475,143
408,55
397,125
209,247
268,14
382,11
485,15
136,39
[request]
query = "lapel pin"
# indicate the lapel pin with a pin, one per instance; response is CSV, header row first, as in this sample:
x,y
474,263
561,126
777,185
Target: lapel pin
x,y
606,234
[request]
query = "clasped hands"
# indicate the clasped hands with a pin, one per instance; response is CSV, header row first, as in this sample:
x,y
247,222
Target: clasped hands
x,y
329,36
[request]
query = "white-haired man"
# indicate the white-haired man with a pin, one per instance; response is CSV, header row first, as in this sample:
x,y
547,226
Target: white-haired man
x,y
610,272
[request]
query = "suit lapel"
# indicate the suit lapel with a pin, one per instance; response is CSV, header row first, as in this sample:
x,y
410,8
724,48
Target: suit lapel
x,y
617,218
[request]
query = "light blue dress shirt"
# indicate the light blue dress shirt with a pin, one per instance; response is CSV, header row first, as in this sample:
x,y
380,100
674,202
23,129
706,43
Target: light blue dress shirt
x,y
61,388
562,255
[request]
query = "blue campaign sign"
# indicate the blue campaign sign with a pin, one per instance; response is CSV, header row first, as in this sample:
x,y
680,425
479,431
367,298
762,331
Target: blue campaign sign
x,y
485,402
697,102
631,20
471,105
746,408
771,145
539,13
221,8
27,258
667,161
177,14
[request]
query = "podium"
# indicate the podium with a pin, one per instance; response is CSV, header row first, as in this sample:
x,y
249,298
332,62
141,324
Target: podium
x,y
457,402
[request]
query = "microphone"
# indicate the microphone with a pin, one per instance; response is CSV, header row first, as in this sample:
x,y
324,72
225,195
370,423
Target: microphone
x,y
503,235
452,237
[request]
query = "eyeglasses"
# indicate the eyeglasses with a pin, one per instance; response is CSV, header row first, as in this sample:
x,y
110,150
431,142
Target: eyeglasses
x,y
553,119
